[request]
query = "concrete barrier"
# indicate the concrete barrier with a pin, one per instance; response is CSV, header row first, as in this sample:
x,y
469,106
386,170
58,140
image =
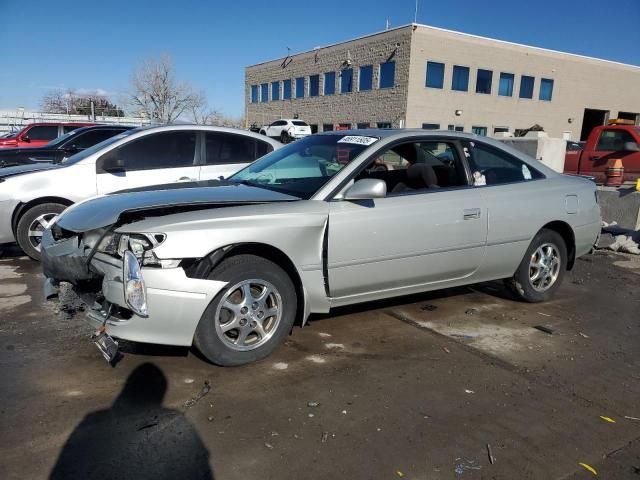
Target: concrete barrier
x,y
539,145
621,205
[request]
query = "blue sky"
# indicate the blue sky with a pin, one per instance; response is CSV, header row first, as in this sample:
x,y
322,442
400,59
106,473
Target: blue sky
x,y
95,45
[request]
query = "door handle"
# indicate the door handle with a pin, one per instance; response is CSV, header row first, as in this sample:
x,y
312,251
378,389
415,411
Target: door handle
x,y
471,213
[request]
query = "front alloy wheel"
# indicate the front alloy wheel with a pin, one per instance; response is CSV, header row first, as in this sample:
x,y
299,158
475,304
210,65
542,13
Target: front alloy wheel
x,y
251,316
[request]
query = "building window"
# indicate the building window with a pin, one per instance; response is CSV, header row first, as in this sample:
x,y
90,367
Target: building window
x,y
346,80
330,83
286,89
264,92
363,125
455,128
327,127
460,79
435,75
431,126
314,85
383,124
388,75
482,131
300,87
500,129
483,81
366,78
344,126
526,86
506,85
275,91
546,89
254,93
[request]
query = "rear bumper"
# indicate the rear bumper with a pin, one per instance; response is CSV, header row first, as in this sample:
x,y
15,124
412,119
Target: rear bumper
x,y
175,302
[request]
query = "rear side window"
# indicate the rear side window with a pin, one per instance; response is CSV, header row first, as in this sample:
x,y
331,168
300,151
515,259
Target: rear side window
x,y
48,132
298,123
70,128
491,166
230,148
614,140
160,150
89,139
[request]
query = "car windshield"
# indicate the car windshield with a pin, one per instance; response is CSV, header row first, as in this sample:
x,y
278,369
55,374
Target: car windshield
x,y
61,139
98,146
303,167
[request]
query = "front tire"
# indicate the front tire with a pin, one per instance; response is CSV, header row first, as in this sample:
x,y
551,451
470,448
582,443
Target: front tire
x,y
254,314
542,269
32,224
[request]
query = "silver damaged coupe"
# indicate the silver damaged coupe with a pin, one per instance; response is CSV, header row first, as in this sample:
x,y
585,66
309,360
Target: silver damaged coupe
x,y
334,219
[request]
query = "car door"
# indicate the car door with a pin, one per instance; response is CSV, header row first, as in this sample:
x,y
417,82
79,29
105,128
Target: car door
x,y
275,129
611,145
409,239
154,159
226,153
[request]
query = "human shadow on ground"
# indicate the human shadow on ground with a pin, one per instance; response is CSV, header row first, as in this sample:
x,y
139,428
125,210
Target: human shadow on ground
x,y
135,438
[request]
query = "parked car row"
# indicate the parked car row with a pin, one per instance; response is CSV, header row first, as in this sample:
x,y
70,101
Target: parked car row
x,y
32,195
38,134
333,219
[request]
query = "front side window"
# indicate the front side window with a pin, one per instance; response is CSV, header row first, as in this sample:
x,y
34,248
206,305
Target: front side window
x,y
492,166
90,138
346,80
366,78
286,89
387,75
275,90
483,81
303,167
314,85
526,86
546,89
156,151
224,148
264,92
614,140
330,83
417,166
43,132
300,87
254,93
435,75
506,84
460,79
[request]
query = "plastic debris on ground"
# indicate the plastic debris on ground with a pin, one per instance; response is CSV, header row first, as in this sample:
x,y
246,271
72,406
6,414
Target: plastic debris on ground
x,y
466,465
588,467
544,329
607,419
619,239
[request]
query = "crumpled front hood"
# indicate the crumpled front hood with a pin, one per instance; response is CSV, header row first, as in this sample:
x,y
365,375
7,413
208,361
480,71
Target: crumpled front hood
x,y
23,169
106,210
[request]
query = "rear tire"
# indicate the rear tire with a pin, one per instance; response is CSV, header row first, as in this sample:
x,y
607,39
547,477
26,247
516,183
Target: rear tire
x,y
32,224
542,269
248,319
284,137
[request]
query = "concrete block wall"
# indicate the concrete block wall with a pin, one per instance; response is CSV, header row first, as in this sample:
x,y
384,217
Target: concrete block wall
x,y
372,106
539,145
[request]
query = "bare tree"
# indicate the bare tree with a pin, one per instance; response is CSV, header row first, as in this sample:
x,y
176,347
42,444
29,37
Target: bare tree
x,y
79,103
157,95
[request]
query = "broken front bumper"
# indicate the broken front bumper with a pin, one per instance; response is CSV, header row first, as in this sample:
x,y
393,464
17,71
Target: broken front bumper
x,y
175,302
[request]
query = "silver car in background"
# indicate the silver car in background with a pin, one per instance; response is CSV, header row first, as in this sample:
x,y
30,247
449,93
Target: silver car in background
x,y
333,219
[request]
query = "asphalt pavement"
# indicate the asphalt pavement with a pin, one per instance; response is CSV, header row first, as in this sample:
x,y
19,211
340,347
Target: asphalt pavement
x,y
461,383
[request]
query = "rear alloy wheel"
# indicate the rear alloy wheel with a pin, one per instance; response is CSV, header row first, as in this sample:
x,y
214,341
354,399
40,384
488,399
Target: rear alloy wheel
x,y
247,320
542,269
33,224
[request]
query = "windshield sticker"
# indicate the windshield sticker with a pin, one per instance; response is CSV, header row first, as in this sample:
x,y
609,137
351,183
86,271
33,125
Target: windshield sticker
x,y
358,140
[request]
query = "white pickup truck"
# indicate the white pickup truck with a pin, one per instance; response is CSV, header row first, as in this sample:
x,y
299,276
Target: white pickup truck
x,y
286,130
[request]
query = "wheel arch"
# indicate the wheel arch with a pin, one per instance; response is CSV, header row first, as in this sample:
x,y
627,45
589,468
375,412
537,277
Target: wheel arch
x,y
22,208
202,267
567,234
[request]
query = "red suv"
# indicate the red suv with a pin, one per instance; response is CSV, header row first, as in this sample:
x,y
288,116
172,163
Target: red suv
x,y
37,134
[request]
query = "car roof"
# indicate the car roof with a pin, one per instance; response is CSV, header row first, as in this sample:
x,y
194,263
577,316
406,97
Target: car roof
x,y
206,128
102,127
45,124
400,133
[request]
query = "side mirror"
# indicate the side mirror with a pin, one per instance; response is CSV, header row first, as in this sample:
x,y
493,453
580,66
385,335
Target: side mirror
x,y
112,164
631,147
366,189
25,138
